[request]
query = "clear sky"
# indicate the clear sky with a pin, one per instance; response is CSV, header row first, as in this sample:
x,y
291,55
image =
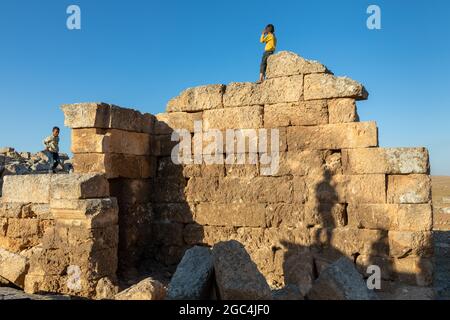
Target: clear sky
x,y
140,53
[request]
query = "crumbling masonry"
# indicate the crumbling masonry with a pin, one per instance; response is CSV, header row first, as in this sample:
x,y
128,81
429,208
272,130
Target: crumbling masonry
x,y
335,194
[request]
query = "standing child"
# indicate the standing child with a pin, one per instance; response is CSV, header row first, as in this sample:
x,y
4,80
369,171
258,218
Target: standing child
x,y
52,146
267,37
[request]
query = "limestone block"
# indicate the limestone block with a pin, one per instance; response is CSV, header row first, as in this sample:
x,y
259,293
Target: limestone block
x,y
333,136
283,89
327,86
166,122
414,271
131,191
410,243
192,279
90,213
86,115
370,188
252,190
271,91
342,110
115,165
300,163
110,141
351,241
237,276
233,118
105,116
399,217
286,63
13,267
385,160
148,289
296,114
174,212
414,188
238,215
169,190
341,281
79,186
27,188
13,209
23,228
197,99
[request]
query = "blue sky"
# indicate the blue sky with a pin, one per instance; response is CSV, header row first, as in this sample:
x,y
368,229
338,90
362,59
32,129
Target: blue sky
x,y
140,53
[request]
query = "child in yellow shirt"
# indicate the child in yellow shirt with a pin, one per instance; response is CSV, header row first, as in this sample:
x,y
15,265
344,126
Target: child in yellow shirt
x,y
267,37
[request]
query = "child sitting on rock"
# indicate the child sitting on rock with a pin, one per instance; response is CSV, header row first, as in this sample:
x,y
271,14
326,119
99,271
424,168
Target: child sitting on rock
x,y
267,37
52,146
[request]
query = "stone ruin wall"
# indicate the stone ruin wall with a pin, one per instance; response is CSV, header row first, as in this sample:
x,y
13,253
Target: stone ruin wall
x,y
336,192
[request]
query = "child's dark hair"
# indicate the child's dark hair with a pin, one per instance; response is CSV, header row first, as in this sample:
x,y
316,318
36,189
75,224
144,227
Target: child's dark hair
x,y
55,129
270,28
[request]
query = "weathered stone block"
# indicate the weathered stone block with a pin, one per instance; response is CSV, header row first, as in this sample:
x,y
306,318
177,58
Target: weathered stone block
x,y
333,136
341,281
86,115
283,89
414,271
271,91
239,94
342,110
174,212
197,99
233,118
253,190
27,188
105,116
385,160
370,188
352,241
300,163
110,141
414,188
326,86
285,63
408,243
399,217
115,165
192,279
148,289
169,190
79,186
166,122
23,228
238,215
131,191
13,267
296,114
91,213
237,276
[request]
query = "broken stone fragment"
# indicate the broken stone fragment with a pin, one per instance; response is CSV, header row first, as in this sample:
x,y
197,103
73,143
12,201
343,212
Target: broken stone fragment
x,y
106,290
237,276
13,267
192,280
148,289
341,281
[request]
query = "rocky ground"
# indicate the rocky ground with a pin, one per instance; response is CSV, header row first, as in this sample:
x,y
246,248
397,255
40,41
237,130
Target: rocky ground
x,y
13,162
